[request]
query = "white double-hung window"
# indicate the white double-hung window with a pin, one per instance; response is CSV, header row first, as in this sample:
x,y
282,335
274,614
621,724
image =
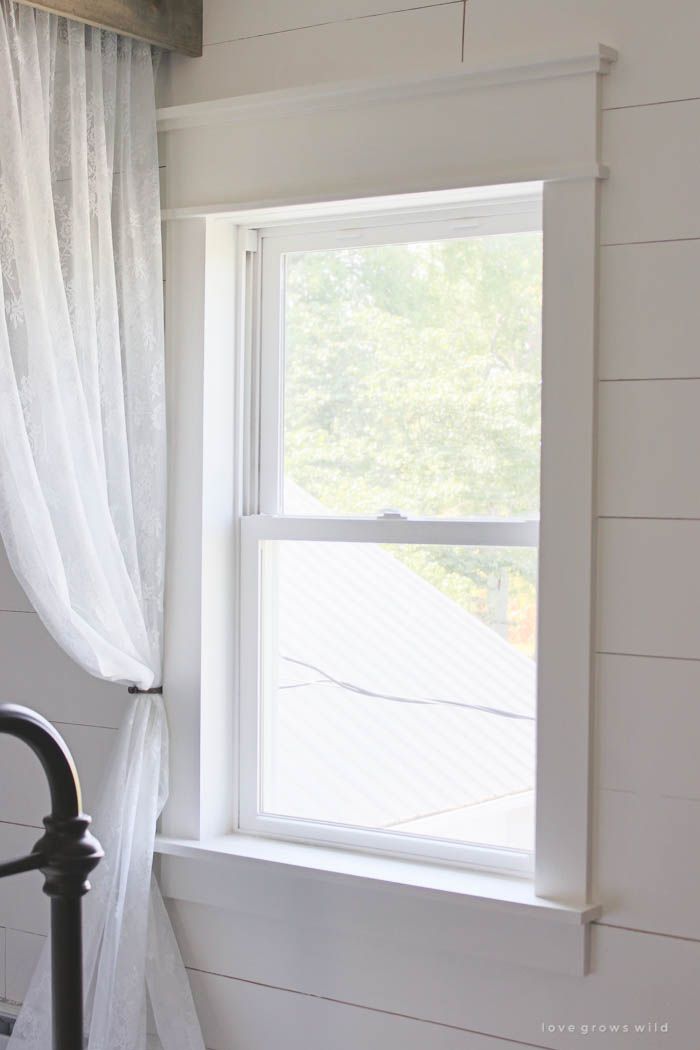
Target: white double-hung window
x,y
389,549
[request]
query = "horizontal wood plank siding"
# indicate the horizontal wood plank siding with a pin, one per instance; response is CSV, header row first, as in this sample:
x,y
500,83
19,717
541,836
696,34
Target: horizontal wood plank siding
x,y
650,310
420,40
236,19
649,440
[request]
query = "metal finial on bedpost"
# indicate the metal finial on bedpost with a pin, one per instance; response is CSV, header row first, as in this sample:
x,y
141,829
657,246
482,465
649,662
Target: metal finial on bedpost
x,y
65,854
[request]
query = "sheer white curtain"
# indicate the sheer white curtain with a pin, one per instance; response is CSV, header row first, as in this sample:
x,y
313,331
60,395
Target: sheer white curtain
x,y
82,462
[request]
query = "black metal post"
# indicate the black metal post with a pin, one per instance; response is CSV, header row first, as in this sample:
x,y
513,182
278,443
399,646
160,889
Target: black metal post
x,y
66,977
65,854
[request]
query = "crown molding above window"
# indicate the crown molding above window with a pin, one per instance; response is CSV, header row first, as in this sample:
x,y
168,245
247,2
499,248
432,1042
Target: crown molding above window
x,y
348,94
402,135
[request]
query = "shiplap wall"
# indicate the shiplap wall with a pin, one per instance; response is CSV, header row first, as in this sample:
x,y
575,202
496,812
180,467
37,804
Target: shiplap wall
x,y
256,983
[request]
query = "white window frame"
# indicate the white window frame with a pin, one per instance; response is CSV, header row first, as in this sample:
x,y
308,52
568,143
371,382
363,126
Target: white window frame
x,y
242,163
211,258
520,210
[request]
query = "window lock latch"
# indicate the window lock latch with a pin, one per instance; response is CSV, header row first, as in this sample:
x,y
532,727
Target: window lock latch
x,y
391,514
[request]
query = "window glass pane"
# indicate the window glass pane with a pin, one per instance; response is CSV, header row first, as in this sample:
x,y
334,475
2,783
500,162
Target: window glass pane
x,y
399,688
412,377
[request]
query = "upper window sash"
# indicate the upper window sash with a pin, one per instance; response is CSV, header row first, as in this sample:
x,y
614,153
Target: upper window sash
x,y
518,215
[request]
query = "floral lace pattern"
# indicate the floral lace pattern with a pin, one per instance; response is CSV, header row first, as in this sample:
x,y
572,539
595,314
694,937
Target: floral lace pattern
x,y
82,463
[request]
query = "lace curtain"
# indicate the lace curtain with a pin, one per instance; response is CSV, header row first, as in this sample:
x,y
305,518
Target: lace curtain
x,y
82,463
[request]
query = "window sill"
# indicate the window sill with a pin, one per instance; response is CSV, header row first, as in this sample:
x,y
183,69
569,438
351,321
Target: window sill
x,y
495,916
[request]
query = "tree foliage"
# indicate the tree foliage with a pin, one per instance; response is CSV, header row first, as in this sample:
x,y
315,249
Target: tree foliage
x,y
412,380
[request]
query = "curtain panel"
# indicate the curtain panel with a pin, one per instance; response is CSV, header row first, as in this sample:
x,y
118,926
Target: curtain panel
x,y
82,463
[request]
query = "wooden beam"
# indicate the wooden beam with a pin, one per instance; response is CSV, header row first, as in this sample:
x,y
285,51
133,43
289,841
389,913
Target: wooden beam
x,y
172,24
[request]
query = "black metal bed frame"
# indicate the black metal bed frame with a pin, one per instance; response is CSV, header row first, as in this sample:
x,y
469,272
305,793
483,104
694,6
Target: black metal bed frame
x,y
65,854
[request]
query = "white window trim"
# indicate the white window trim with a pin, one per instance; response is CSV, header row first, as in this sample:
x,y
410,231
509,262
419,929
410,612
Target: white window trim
x,y
219,248
539,121
509,210
291,102
201,856
314,892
